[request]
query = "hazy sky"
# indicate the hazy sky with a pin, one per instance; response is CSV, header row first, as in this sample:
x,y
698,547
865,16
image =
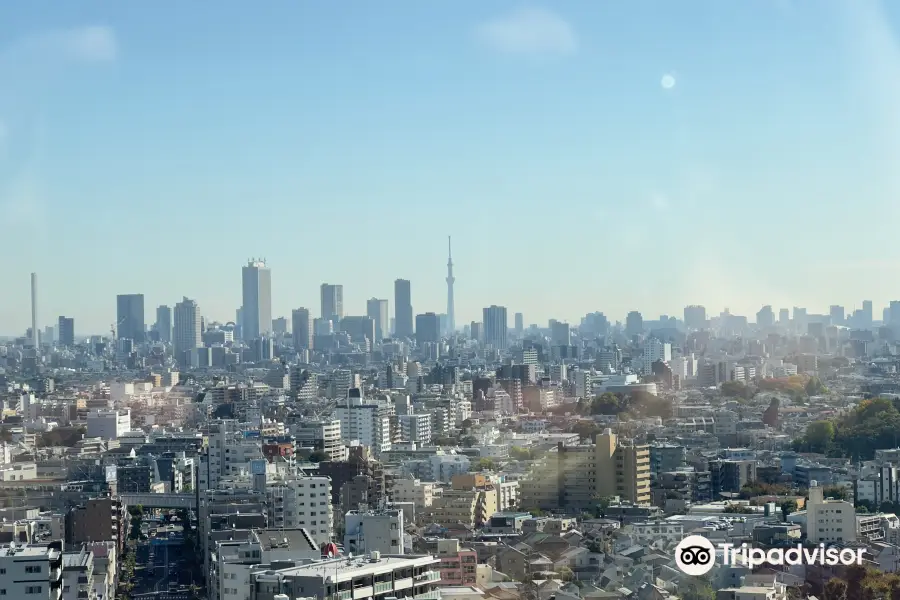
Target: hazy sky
x,y
591,155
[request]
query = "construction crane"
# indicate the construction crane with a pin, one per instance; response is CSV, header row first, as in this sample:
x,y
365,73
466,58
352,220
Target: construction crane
x,y
115,327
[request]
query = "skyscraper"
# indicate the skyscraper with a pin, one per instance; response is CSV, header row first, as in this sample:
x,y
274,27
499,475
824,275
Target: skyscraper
x,y
451,318
495,326
302,328
695,316
403,311
519,323
66,331
164,323
186,334
428,328
333,302
257,294
130,323
35,335
867,313
377,309
634,323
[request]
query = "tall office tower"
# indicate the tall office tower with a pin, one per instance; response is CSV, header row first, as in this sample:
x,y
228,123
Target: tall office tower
x,y
495,324
257,308
451,318
35,334
560,334
377,310
837,314
765,317
519,321
130,322
66,331
186,335
634,323
867,313
302,328
784,316
164,323
332,302
476,330
403,311
428,328
695,316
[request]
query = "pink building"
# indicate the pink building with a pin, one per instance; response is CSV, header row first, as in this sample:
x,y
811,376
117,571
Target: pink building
x,y
457,566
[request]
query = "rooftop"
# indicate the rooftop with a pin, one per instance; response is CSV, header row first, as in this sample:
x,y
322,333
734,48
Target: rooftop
x,y
343,569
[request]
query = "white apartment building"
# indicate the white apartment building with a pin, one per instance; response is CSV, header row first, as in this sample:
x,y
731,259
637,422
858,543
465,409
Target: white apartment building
x,y
829,520
415,428
507,495
229,577
30,572
655,350
78,575
323,435
373,575
302,502
442,467
371,531
366,422
228,452
419,493
108,424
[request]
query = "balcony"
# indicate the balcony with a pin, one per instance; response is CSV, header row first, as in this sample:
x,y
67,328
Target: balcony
x,y
432,595
401,584
362,592
345,595
383,587
426,577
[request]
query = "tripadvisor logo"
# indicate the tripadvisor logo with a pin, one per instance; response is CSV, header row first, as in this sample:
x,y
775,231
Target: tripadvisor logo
x,y
696,555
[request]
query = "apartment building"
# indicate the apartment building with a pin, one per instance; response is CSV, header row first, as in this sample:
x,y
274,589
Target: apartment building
x,y
371,530
372,575
97,520
78,575
303,502
33,572
829,520
322,435
623,469
576,476
458,566
419,493
472,499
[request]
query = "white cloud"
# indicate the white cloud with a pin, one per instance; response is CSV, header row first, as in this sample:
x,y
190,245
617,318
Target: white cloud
x,y
92,43
529,31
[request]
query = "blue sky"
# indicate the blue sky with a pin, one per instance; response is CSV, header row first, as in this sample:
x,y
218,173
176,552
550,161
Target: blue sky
x,y
584,155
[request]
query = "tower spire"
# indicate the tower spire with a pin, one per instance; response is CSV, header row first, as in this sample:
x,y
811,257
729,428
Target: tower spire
x,y
451,319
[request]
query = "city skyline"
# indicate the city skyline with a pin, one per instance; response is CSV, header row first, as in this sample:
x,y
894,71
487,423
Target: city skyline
x,y
128,316
657,135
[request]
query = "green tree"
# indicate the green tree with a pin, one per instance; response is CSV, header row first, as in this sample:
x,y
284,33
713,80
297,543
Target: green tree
x,y
788,507
815,387
838,492
820,435
697,588
835,589
317,456
469,441
137,517
485,464
565,573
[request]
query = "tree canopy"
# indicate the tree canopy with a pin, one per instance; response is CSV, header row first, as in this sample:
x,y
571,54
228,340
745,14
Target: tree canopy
x,y
873,425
